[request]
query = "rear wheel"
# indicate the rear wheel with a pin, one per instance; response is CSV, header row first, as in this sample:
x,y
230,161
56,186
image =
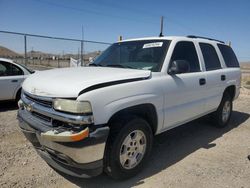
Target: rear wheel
x,y
128,148
222,115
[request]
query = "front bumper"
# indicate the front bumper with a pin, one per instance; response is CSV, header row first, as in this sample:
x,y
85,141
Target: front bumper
x,y
82,158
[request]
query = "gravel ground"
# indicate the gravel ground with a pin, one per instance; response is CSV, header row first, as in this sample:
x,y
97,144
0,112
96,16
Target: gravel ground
x,y
193,155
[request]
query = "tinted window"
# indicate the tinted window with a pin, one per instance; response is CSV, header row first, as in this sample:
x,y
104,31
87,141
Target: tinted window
x,y
210,56
228,56
8,69
186,51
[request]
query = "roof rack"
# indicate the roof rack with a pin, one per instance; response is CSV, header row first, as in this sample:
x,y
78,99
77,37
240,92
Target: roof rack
x,y
193,36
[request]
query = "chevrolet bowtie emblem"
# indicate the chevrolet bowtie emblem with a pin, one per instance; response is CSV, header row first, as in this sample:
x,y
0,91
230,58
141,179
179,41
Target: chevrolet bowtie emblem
x,y
33,90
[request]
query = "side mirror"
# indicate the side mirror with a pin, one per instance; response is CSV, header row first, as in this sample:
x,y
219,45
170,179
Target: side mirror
x,y
179,66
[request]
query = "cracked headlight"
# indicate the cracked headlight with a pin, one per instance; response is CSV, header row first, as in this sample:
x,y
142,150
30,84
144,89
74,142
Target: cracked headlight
x,y
72,106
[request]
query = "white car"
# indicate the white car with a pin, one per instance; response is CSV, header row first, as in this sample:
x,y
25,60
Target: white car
x,y
83,121
12,76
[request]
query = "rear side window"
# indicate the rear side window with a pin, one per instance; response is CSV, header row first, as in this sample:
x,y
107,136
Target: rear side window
x,y
228,56
210,56
186,51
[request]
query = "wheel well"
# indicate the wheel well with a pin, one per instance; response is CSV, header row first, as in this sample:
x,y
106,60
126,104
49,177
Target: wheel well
x,y
230,90
18,92
145,111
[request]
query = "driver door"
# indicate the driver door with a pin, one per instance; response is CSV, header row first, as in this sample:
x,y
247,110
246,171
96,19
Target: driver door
x,y
184,92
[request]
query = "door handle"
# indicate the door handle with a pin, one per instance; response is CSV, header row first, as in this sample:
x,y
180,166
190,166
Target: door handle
x,y
202,81
223,77
14,80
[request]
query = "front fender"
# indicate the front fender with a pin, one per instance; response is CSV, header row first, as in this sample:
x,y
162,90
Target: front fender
x,y
103,110
126,102
107,101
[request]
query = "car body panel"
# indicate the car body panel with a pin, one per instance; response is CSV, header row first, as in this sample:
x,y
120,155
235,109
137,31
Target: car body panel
x,y
10,85
69,82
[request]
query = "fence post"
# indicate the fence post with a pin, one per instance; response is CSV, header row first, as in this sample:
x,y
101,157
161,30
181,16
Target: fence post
x,y
82,63
25,49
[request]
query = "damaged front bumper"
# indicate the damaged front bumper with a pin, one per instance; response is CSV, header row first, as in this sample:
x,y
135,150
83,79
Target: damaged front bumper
x,y
77,154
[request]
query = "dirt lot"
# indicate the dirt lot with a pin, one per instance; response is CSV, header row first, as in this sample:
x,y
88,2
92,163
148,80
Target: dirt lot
x,y
194,155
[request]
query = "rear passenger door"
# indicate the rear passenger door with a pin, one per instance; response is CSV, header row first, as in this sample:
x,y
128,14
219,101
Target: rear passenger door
x,y
215,76
11,77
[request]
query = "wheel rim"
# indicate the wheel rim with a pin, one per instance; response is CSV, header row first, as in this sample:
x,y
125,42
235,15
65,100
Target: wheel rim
x,y
226,111
133,149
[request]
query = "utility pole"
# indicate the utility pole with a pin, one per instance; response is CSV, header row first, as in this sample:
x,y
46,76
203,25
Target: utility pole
x,y
32,54
161,33
82,58
25,50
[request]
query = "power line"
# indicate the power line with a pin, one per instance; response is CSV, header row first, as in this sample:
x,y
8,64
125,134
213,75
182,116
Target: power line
x,y
148,13
94,12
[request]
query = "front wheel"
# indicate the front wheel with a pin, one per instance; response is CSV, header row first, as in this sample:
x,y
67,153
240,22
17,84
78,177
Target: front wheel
x,y
128,148
222,115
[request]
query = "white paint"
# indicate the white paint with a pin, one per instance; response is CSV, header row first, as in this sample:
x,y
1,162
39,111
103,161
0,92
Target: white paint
x,y
9,85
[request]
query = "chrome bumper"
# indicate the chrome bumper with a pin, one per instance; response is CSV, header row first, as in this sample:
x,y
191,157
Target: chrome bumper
x,y
72,157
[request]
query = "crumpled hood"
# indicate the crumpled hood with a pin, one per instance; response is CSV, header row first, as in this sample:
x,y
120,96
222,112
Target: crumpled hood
x,y
69,82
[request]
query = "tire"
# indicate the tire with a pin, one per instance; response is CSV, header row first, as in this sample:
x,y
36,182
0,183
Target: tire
x,y
128,147
18,96
222,115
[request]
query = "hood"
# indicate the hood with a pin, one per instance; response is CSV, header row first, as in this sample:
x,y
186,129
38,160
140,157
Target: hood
x,y
69,82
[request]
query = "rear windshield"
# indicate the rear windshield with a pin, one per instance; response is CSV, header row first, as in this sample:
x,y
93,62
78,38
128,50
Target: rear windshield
x,y
145,54
228,56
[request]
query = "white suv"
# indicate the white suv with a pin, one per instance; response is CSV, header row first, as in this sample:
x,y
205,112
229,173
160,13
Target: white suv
x,y
83,121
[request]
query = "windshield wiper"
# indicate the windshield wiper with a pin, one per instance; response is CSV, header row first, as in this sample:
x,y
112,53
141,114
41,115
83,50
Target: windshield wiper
x,y
95,65
119,65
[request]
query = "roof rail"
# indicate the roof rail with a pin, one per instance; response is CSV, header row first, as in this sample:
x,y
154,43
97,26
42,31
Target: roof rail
x,y
193,36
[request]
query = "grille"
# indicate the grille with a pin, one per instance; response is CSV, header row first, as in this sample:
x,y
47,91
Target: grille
x,y
45,103
41,116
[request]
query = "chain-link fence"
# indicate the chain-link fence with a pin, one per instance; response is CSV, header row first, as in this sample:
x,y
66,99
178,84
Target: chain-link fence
x,y
38,51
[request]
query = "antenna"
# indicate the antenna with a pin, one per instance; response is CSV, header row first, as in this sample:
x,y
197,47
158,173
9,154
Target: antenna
x,y
161,35
120,38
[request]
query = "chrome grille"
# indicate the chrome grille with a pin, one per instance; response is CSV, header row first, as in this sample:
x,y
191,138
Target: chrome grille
x,y
42,117
41,108
46,103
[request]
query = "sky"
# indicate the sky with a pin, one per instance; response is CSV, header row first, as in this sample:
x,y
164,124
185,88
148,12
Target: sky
x,y
105,20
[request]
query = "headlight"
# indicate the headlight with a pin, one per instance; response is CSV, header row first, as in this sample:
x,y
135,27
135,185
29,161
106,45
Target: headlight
x,y
72,106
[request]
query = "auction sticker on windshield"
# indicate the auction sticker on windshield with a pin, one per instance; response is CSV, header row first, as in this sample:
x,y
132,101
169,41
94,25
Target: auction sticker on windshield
x,y
153,45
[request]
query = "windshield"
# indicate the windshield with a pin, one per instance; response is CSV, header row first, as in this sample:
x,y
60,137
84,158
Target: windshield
x,y
144,54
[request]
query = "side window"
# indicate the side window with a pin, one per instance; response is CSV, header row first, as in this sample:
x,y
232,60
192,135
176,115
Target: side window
x,y
16,70
210,56
2,69
186,51
228,56
8,69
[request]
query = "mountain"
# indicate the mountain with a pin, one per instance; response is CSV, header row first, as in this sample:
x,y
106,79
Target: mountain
x,y
5,52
